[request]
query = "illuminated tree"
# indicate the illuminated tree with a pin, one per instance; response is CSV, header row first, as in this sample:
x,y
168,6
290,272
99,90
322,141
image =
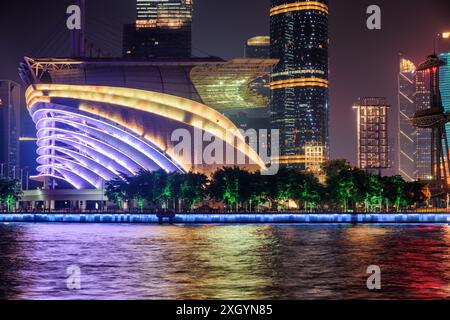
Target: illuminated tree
x,y
306,190
10,193
338,191
115,191
394,191
231,185
344,188
370,190
193,188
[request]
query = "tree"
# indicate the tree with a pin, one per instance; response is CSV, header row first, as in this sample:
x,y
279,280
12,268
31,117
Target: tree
x,y
338,192
344,188
10,193
230,185
418,192
333,168
370,190
116,191
394,191
306,190
286,183
193,188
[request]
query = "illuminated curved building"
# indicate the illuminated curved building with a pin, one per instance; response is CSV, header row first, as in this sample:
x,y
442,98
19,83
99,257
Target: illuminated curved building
x,y
99,119
258,47
299,84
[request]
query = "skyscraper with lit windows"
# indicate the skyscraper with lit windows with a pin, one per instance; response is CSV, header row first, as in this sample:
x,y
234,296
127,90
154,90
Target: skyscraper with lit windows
x,y
9,129
414,144
372,133
444,77
163,28
299,82
407,136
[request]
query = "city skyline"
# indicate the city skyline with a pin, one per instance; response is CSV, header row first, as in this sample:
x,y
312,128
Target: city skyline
x,y
217,151
348,61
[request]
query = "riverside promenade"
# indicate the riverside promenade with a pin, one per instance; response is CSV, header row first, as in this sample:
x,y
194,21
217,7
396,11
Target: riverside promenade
x,y
226,218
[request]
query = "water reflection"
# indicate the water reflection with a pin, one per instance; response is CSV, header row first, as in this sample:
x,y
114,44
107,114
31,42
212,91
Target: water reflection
x,y
224,261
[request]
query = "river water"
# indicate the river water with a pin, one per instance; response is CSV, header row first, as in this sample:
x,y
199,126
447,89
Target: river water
x,y
223,261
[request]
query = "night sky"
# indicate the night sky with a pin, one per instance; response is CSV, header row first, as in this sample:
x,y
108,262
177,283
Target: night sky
x,y
362,62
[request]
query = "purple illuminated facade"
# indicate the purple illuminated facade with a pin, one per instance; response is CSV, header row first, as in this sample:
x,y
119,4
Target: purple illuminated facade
x,y
97,121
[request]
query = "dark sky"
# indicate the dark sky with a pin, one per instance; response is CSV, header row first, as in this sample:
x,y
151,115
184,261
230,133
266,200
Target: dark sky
x,y
362,62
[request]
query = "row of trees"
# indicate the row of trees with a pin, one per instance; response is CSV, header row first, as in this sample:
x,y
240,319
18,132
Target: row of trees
x,y
9,194
345,188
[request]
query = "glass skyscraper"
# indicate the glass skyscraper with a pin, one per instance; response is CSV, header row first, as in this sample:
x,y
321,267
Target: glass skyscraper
x,y
414,151
9,129
163,28
407,108
299,82
444,77
423,136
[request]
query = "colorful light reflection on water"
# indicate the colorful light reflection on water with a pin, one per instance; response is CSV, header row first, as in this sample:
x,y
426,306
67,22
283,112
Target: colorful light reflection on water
x,y
224,261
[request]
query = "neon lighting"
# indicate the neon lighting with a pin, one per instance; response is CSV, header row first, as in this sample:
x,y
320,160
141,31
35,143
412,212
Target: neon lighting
x,y
80,157
111,128
288,218
299,6
86,138
171,107
102,156
69,163
299,82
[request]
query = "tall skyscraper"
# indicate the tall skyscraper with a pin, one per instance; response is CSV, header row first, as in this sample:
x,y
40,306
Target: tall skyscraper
x,y
445,82
407,132
414,151
9,129
258,48
423,137
163,28
299,82
372,133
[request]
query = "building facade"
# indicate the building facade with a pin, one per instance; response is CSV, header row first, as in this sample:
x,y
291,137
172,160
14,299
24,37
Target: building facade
x,y
423,136
9,129
372,134
414,148
299,82
407,132
163,28
444,78
100,118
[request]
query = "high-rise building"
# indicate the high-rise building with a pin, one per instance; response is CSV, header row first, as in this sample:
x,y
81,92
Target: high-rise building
x,y
258,48
299,82
407,108
163,28
9,129
444,77
314,159
423,136
372,133
414,148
